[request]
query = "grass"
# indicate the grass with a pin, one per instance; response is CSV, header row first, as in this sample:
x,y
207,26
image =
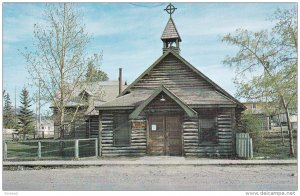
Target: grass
x,y
272,147
50,150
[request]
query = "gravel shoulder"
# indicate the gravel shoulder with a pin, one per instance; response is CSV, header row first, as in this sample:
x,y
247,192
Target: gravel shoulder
x,y
165,177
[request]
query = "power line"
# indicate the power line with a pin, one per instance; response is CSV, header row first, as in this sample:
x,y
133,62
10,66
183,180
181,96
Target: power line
x,y
147,6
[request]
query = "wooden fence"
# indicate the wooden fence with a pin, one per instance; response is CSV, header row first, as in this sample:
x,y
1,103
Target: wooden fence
x,y
244,148
50,149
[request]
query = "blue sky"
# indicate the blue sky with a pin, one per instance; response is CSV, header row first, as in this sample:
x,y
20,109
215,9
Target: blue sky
x,y
129,36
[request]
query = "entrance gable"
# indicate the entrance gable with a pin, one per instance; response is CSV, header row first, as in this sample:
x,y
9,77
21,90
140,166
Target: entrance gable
x,y
189,111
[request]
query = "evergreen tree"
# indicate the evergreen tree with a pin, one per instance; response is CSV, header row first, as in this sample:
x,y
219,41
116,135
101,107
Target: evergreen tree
x,y
26,115
8,113
93,74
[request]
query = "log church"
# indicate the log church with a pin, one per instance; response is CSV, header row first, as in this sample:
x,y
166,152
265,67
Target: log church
x,y
171,109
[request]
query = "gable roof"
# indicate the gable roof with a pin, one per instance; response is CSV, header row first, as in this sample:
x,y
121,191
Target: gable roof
x,y
101,91
190,112
170,31
170,51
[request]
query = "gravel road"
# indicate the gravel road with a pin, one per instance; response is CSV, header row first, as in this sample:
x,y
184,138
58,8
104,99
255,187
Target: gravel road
x,y
141,177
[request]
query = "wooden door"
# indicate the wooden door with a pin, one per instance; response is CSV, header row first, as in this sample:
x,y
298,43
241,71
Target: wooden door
x,y
156,143
173,135
165,135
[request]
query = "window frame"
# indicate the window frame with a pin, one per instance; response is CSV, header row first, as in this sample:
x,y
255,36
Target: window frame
x,y
115,130
215,138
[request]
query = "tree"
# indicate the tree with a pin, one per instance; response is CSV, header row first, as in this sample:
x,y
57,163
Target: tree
x,y
26,115
59,61
8,113
266,64
251,123
93,73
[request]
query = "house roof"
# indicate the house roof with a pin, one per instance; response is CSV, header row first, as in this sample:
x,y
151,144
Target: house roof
x,y
99,92
190,112
170,31
221,91
192,98
129,100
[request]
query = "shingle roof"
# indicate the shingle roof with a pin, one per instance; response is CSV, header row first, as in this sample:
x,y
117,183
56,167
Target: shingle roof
x,y
99,92
188,96
130,100
170,31
170,51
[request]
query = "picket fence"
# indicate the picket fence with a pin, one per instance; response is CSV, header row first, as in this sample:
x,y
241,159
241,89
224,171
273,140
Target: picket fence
x,y
244,148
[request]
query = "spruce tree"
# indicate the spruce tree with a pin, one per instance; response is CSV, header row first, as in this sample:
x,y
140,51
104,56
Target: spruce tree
x,y
8,113
94,74
26,115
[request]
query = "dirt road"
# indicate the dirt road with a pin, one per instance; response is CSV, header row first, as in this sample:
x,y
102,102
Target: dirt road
x,y
206,178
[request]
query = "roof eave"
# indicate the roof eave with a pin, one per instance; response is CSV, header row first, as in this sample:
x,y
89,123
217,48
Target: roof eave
x,y
114,108
190,112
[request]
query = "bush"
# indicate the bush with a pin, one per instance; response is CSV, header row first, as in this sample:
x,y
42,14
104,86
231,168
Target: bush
x,y
251,123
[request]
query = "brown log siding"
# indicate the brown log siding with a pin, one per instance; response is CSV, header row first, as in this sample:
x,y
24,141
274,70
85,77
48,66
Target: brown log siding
x,y
172,73
190,136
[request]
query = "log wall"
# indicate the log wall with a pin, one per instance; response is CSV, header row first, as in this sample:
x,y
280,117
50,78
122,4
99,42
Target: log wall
x,y
138,138
92,126
193,146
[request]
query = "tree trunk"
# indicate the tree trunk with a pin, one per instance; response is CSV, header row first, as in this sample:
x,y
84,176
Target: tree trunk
x,y
61,125
292,152
282,137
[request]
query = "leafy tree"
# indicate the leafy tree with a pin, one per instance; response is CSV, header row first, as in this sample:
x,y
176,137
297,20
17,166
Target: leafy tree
x,y
26,118
8,113
251,123
266,64
58,64
93,73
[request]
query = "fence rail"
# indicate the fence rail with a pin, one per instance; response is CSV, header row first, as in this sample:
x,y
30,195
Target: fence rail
x,y
50,149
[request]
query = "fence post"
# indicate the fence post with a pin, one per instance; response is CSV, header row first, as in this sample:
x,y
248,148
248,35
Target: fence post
x,y
76,149
5,150
39,149
96,147
251,148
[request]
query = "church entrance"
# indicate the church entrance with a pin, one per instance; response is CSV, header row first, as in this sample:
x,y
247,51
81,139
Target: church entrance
x,y
165,135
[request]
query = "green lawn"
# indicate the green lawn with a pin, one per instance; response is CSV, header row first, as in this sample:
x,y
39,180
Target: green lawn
x,y
50,149
273,148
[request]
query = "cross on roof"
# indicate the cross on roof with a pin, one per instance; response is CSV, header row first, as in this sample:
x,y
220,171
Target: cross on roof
x,y
170,9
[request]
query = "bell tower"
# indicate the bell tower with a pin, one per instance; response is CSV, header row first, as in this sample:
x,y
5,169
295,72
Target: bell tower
x,y
170,36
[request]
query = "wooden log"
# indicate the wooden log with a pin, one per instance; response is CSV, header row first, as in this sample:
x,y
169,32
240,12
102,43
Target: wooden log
x,y
191,144
107,144
190,130
107,141
107,134
139,144
138,137
190,138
